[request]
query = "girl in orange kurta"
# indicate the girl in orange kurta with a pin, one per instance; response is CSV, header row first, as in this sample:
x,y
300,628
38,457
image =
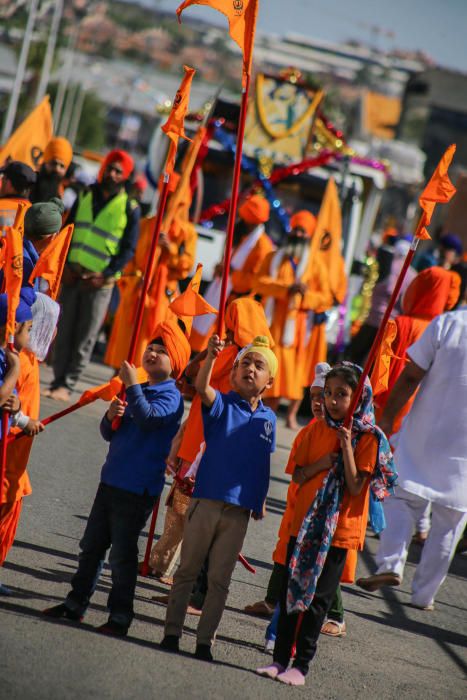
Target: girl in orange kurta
x,y
244,320
312,589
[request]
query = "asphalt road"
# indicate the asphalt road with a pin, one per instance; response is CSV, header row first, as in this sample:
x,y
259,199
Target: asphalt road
x,y
391,651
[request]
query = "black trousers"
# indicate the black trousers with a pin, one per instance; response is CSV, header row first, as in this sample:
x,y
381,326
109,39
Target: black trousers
x,y
116,520
313,618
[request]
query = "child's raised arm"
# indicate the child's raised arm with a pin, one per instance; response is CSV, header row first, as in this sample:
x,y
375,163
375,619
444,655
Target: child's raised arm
x,y
206,392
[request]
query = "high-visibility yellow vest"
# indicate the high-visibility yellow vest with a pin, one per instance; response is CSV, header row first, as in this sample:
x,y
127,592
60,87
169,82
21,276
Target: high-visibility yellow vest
x,y
96,241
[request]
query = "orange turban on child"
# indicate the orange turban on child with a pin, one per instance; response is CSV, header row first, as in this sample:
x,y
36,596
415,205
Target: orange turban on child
x,y
58,148
304,219
246,319
254,210
122,158
176,344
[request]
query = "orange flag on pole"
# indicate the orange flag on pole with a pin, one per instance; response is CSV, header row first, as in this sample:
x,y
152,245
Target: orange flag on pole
x,y
174,126
13,272
190,303
109,390
52,261
439,190
242,15
28,142
380,373
326,244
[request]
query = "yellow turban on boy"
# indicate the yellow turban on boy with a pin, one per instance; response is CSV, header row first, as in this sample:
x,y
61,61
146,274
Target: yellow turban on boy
x,y
262,346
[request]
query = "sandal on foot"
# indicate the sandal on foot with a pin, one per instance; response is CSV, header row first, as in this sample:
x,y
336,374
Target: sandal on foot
x,y
334,628
377,581
261,609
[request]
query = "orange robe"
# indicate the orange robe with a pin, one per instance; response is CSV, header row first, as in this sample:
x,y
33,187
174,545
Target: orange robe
x,y
280,552
170,266
430,293
243,282
193,434
317,347
290,378
17,482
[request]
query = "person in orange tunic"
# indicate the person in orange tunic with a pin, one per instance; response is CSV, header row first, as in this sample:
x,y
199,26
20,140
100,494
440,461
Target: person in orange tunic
x,y
291,285
175,259
244,320
430,294
32,341
314,457
251,245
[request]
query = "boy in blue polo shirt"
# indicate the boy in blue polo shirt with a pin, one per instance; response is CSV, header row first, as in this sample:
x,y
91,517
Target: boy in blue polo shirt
x,y
231,485
132,479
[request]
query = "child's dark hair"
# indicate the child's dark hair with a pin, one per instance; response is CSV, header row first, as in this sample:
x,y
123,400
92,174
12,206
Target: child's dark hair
x,y
156,341
350,375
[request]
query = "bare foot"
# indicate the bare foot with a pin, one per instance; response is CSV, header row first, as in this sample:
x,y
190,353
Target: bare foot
x,y
60,394
292,424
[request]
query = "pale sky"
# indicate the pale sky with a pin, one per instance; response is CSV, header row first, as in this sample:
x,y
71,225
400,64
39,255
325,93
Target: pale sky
x,y
438,27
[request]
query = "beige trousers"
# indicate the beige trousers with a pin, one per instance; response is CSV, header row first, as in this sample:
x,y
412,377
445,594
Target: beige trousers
x,y
216,530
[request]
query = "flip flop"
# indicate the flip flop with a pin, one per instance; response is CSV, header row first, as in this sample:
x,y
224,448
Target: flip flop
x,y
261,609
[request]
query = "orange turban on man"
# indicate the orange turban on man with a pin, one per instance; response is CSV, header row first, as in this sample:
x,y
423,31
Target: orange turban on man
x,y
304,219
60,149
254,210
246,319
176,344
122,158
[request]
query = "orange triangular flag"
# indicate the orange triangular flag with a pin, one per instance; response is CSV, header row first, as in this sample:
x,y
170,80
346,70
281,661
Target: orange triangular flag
x,y
28,142
439,189
380,373
174,126
242,15
191,303
109,390
326,243
52,261
13,275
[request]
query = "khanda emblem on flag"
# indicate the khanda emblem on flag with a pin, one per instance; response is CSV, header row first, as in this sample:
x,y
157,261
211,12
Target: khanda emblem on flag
x,y
238,6
177,99
17,262
326,240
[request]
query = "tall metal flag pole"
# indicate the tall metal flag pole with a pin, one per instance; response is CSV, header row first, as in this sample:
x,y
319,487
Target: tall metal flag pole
x,y
233,205
242,18
20,71
50,50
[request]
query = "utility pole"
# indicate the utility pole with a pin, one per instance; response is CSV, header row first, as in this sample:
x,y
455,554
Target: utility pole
x,y
49,54
20,71
77,112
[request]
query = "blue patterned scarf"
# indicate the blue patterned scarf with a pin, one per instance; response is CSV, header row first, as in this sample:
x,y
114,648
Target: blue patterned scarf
x,y
319,524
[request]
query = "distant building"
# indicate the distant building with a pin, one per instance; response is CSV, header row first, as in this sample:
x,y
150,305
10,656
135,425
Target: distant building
x,y
434,114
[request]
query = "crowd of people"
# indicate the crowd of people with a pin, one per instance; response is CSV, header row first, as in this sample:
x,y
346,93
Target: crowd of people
x,y
272,350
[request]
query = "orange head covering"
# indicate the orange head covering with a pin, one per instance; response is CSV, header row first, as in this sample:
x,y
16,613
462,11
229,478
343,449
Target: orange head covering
x,y
121,157
254,210
304,219
176,344
431,292
58,148
246,319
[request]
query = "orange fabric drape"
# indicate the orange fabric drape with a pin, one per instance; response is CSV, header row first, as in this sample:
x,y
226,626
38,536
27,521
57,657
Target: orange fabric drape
x,y
432,292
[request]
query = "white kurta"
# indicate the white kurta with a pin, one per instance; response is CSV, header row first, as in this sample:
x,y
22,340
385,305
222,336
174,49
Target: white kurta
x,y
431,452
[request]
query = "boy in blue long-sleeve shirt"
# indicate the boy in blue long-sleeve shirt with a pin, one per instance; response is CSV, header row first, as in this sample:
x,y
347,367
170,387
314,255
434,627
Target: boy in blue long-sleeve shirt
x,y
132,479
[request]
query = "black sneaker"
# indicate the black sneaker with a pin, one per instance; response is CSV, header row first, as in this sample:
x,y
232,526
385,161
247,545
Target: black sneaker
x,y
170,643
203,652
62,610
113,629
